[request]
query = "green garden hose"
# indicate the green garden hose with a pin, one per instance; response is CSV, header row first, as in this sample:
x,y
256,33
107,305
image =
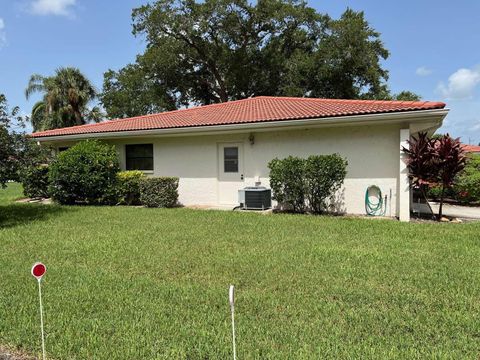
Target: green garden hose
x,y
375,209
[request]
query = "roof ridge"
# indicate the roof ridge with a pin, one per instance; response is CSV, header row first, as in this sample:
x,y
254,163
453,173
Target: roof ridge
x,y
377,101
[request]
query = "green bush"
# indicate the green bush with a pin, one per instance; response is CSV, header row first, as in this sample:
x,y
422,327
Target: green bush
x,y
287,182
85,173
324,175
35,181
467,184
129,186
300,184
434,192
159,191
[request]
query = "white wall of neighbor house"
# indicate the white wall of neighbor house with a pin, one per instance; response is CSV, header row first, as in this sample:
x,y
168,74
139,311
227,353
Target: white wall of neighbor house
x,y
372,153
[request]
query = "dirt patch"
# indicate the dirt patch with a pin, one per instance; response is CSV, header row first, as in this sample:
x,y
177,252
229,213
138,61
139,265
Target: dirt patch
x,y
9,354
34,201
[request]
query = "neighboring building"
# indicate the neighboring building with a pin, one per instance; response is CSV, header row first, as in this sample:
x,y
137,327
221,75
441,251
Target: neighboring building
x,y
472,149
218,149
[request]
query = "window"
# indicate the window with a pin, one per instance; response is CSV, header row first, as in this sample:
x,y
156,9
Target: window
x,y
139,157
230,159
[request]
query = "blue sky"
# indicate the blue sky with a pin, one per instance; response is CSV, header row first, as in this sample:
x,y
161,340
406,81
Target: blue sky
x,y
434,46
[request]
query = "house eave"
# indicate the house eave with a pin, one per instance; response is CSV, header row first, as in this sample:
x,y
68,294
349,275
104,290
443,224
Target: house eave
x,y
403,118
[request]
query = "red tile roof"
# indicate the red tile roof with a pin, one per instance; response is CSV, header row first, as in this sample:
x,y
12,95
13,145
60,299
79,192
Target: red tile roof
x,y
471,148
252,110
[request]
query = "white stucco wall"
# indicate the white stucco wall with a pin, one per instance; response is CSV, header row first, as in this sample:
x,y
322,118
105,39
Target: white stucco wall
x,y
372,153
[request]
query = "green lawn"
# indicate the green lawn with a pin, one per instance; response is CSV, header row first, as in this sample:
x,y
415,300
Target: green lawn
x,y
135,283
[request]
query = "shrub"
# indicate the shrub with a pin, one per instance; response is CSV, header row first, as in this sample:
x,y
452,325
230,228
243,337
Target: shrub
x,y
287,182
159,191
467,187
299,184
129,186
85,173
324,175
35,181
434,192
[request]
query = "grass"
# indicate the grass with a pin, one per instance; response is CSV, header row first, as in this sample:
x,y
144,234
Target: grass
x,y
135,283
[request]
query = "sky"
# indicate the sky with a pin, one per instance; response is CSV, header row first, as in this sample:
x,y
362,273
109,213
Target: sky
x,y
434,46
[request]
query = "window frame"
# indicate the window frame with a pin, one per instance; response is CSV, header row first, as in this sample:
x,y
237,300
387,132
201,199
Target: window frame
x,y
128,158
230,159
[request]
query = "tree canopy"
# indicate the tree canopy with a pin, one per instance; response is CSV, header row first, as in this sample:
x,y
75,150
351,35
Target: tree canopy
x,y
16,150
220,50
66,96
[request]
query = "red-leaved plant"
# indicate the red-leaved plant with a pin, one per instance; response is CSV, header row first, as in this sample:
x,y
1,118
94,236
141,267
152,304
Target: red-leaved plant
x,y
434,162
450,159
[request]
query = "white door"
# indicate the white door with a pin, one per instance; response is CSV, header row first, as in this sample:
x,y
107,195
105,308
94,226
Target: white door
x,y
230,172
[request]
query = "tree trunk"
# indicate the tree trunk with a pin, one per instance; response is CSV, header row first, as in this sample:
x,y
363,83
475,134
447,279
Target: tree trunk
x,y
424,194
78,118
440,210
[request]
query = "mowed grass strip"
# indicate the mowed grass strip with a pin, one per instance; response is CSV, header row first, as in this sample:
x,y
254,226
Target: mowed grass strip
x,y
136,283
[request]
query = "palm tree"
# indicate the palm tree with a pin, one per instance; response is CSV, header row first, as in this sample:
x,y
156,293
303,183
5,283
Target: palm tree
x,y
37,118
66,95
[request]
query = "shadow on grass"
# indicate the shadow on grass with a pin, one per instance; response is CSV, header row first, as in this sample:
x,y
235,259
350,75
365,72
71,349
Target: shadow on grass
x,y
21,214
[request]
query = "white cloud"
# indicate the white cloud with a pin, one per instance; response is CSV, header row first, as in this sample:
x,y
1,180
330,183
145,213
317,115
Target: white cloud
x,y
3,35
461,84
52,7
423,71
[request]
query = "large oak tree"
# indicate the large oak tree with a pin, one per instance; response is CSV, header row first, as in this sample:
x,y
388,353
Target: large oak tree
x,y
220,50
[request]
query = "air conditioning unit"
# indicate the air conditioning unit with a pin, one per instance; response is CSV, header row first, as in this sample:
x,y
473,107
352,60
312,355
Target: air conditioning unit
x,y
255,198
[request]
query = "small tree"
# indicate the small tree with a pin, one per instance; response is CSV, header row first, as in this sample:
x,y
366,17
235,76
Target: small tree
x,y
450,160
420,162
434,161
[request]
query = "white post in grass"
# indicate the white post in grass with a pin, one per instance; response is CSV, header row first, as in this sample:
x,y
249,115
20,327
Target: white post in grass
x,y
38,270
231,298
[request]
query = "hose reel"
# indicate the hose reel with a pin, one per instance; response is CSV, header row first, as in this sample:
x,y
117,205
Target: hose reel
x,y
378,208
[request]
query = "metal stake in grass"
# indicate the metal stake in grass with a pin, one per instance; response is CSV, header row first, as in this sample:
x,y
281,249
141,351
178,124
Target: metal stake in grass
x,y
38,270
231,297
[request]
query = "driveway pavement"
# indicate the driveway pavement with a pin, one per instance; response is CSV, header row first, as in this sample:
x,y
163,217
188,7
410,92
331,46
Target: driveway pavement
x,y
467,212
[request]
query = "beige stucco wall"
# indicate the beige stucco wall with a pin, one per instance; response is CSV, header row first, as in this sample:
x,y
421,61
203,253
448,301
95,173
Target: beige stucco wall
x,y
372,153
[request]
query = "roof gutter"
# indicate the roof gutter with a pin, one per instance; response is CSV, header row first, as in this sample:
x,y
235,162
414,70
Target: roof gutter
x,y
369,119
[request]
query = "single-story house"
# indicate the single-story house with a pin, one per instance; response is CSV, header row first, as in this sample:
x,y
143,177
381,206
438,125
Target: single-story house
x,y
215,150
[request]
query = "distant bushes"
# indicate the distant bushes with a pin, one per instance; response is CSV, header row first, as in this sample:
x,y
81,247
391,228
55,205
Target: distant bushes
x,y
35,181
307,184
85,173
466,188
159,191
33,174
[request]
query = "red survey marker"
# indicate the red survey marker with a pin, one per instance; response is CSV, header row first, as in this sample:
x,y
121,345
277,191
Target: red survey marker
x,y
38,270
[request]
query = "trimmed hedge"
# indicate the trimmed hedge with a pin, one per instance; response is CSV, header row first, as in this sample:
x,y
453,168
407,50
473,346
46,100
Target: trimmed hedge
x,y
324,175
129,186
307,184
35,181
287,182
85,173
159,191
